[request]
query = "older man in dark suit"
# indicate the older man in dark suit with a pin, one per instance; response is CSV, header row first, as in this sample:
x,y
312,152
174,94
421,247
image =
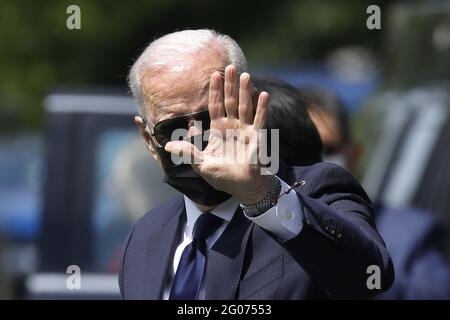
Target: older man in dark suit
x,y
241,230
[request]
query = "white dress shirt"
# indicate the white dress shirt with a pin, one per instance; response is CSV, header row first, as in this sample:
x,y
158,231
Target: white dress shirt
x,y
285,221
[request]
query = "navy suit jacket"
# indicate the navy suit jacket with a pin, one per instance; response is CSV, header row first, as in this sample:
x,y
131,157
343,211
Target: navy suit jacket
x,y
327,259
416,242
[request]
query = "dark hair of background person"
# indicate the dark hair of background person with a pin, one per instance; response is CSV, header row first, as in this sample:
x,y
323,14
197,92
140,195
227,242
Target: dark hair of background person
x,y
300,142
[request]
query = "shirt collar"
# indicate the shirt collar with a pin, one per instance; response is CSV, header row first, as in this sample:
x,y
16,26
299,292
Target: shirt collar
x,y
225,210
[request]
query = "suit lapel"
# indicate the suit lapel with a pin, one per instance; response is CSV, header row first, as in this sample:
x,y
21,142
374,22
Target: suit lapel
x,y
160,248
225,259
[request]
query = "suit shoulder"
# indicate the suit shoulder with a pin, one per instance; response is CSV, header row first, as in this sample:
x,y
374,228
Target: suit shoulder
x,y
327,177
325,171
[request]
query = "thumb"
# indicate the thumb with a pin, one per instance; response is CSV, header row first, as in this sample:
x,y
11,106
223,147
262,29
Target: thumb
x,y
183,152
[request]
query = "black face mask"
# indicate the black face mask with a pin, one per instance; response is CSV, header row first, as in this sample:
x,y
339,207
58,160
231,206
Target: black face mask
x,y
182,177
190,183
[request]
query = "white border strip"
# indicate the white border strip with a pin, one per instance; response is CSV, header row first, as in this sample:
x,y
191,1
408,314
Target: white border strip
x,y
89,103
55,283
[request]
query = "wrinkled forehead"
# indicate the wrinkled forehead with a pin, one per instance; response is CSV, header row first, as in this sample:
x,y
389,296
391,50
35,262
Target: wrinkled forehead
x,y
178,91
171,96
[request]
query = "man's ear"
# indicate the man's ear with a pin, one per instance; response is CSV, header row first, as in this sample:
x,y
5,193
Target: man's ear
x,y
140,124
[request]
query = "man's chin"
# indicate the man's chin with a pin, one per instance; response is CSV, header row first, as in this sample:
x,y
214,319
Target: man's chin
x,y
204,208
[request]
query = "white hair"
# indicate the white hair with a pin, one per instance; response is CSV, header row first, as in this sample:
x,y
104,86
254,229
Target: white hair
x,y
174,49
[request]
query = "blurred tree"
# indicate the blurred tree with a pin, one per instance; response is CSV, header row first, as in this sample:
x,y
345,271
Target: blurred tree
x,y
417,33
38,52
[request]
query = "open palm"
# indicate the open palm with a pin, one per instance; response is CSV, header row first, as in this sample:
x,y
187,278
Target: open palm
x,y
230,161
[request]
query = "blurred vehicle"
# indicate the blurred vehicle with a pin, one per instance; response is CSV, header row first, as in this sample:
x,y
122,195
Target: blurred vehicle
x,y
99,180
407,152
20,186
405,127
21,163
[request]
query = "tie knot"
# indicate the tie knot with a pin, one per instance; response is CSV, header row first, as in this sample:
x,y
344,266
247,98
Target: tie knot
x,y
205,225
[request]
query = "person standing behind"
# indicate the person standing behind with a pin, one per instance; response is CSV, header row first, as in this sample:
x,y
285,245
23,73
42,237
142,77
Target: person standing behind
x,y
413,237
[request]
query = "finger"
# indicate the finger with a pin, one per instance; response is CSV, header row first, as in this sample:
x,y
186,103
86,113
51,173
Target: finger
x,y
255,97
215,99
231,92
188,153
261,110
245,99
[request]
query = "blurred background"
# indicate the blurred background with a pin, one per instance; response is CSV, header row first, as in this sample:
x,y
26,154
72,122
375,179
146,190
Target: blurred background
x,y
74,175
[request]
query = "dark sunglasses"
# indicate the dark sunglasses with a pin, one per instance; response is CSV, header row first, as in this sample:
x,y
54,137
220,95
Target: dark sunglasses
x,y
162,130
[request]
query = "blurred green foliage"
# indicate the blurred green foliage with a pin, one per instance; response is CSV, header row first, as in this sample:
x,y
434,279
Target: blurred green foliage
x,y
418,42
38,52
